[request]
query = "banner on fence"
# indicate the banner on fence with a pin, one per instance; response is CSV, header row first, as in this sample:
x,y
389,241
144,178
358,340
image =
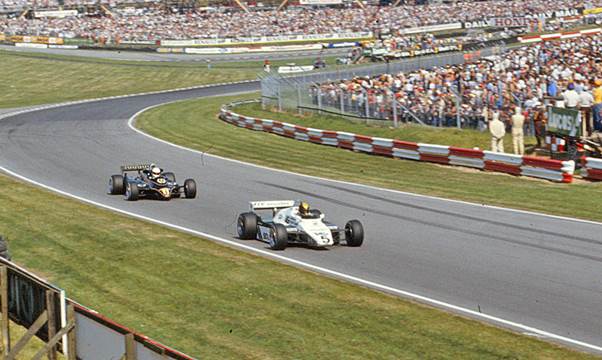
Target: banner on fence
x,y
593,11
268,39
564,122
55,14
509,22
431,28
36,39
320,2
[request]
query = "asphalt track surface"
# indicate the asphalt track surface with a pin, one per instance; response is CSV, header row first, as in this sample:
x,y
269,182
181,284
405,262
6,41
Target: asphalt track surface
x,y
157,57
539,271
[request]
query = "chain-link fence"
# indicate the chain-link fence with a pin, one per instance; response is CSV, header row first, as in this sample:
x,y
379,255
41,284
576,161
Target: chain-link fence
x,y
304,92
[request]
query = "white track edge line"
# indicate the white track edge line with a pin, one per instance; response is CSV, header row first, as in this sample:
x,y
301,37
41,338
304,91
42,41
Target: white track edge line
x,y
132,120
320,269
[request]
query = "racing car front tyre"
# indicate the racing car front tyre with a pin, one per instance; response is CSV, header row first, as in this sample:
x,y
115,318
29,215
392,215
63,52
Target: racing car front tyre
x,y
131,192
116,185
246,226
279,238
171,177
189,189
354,233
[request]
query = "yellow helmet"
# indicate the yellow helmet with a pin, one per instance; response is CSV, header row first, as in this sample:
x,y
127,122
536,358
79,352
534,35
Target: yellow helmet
x,y
303,208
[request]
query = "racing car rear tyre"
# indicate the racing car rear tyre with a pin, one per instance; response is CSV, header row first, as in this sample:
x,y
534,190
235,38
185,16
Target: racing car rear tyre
x,y
279,237
131,192
171,177
116,185
354,233
189,189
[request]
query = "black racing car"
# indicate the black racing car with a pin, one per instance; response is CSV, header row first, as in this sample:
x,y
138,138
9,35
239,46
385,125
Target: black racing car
x,y
146,184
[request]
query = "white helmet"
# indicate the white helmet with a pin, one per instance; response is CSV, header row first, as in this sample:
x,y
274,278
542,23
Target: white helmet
x,y
156,171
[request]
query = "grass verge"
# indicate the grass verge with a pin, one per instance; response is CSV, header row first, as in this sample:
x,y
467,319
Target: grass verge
x,y
213,301
194,124
467,138
38,78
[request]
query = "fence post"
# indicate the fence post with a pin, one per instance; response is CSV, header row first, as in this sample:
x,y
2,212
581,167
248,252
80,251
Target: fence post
x,y
279,97
4,310
342,100
319,100
299,99
394,102
367,106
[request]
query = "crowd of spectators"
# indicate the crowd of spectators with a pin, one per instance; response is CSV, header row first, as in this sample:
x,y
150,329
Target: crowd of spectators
x,y
155,23
526,77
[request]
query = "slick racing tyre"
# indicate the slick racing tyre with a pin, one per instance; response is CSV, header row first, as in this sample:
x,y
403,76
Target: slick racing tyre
x,y
279,238
131,192
246,226
189,189
354,233
116,186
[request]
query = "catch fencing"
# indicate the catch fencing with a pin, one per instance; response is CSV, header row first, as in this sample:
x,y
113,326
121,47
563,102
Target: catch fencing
x,y
303,92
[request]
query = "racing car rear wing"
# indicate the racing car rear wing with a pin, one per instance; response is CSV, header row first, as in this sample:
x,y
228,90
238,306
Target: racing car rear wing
x,y
138,167
271,205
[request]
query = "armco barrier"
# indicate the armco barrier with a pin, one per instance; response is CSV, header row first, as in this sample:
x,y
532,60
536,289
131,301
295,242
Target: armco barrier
x,y
559,36
592,169
553,170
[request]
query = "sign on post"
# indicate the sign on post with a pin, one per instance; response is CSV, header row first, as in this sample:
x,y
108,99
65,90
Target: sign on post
x,y
564,122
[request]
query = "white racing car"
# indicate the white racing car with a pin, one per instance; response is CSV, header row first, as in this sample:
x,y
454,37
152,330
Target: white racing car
x,y
292,222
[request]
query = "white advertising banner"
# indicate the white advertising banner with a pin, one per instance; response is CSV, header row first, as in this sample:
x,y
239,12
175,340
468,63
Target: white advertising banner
x,y
267,39
432,28
320,2
55,14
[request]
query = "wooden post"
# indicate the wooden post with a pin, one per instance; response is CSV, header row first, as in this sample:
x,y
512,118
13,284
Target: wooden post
x,y
4,310
282,4
50,308
35,327
52,342
130,347
71,346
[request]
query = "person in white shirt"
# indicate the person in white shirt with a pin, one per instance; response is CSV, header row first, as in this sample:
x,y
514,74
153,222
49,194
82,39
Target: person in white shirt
x,y
571,97
586,101
497,130
518,121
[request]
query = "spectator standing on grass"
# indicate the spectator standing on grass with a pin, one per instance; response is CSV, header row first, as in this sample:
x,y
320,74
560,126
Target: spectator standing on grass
x,y
539,121
518,122
498,131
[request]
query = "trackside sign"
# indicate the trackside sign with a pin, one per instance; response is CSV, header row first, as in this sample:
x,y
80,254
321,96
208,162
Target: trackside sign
x,y
565,122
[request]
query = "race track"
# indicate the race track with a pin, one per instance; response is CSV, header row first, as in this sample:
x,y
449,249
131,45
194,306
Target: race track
x,y
539,271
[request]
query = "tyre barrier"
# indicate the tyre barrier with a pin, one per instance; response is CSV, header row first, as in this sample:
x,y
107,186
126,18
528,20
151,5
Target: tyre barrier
x,y
592,168
553,170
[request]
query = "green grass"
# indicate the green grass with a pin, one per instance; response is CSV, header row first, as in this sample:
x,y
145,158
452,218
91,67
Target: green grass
x,y
194,124
36,78
215,302
467,138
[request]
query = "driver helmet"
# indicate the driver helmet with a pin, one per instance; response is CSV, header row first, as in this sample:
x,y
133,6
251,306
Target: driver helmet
x,y
304,208
156,171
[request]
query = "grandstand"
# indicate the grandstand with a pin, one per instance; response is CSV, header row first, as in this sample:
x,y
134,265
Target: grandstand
x,y
157,20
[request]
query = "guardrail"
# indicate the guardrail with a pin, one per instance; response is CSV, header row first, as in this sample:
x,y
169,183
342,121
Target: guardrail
x,y
553,170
